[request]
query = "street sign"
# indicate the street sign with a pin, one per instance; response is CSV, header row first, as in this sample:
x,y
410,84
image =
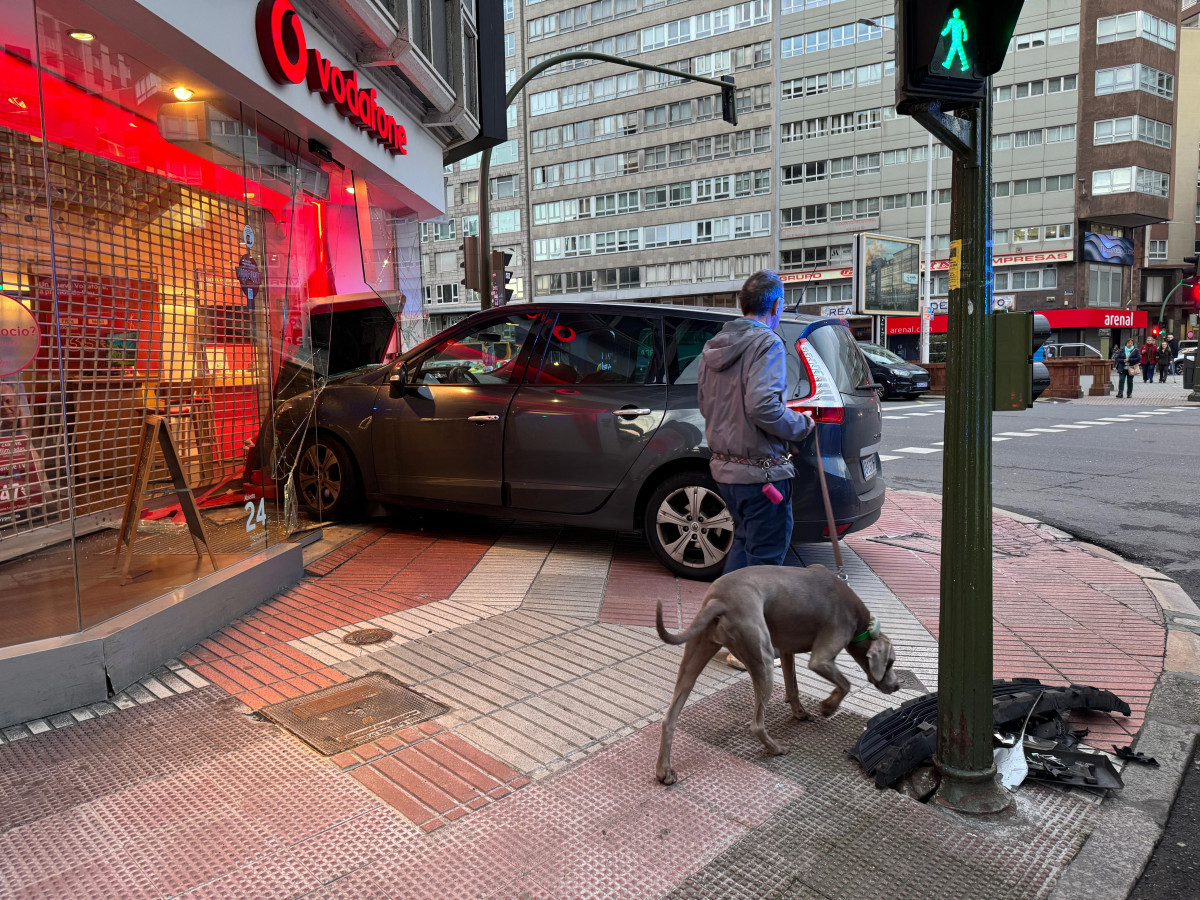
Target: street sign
x,y
248,236
248,276
886,270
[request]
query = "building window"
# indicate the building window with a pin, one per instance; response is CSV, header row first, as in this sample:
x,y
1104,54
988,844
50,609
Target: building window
x,y
1127,26
1156,251
1027,279
1105,285
510,44
1135,77
504,187
1129,128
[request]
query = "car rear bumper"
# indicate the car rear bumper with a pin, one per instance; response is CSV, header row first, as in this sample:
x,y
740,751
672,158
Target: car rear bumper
x,y
850,507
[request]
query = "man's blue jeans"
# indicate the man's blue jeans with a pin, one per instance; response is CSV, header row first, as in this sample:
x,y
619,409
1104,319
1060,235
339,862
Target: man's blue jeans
x,y
762,530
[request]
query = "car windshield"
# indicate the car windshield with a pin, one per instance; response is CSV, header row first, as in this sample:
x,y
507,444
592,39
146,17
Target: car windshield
x,y
880,354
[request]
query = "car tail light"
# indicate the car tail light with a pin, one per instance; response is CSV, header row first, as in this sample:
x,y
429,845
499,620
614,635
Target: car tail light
x,y
824,400
841,529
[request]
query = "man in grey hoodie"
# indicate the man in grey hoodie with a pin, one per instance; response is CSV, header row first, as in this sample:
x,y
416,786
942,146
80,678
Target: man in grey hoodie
x,y
742,381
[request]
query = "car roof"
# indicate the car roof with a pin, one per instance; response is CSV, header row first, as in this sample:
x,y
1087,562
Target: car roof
x,y
667,308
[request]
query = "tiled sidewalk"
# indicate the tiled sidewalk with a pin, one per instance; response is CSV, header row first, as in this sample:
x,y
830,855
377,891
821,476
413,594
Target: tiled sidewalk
x,y
538,782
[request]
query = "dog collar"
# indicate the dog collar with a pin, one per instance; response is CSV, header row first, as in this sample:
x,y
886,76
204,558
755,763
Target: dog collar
x,y
872,631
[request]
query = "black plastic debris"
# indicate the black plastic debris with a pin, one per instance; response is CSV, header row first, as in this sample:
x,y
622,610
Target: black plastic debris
x,y
897,741
1073,767
1134,756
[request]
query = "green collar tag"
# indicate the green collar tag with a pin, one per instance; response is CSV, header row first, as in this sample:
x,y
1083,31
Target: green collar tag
x,y
871,632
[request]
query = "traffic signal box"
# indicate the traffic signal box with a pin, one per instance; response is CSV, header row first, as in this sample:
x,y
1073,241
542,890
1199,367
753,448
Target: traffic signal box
x,y
500,277
470,264
1191,282
1016,337
946,50
728,102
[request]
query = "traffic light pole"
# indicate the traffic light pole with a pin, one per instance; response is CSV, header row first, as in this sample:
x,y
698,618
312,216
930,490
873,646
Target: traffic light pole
x,y
725,84
964,741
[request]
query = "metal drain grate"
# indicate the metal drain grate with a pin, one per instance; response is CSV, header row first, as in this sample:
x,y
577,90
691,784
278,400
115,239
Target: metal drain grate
x,y
349,715
367,636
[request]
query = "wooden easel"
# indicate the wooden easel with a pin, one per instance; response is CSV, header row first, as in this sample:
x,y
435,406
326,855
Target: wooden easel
x,y
155,430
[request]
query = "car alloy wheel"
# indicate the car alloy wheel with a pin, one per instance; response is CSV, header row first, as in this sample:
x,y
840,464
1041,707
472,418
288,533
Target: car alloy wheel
x,y
694,528
319,477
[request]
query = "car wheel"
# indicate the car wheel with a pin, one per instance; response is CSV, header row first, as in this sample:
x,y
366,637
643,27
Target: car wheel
x,y
326,479
688,526
886,393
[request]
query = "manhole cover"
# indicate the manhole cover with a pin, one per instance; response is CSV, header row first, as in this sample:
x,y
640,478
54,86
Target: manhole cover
x,y
348,715
367,636
910,681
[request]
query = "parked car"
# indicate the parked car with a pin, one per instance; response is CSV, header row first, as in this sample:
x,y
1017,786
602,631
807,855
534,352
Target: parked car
x,y
1187,350
579,414
899,377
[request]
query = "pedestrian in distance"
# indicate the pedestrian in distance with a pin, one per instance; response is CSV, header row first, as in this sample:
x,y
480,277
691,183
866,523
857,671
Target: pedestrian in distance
x,y
1174,344
742,380
1149,354
1128,361
1165,361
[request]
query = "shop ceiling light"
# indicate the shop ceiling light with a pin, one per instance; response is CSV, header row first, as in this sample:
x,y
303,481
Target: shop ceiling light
x,y
83,36
183,93
350,189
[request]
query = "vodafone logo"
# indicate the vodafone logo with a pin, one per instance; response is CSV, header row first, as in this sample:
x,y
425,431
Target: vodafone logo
x,y
290,60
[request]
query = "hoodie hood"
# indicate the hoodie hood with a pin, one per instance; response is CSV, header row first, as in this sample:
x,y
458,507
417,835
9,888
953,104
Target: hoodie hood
x,y
731,342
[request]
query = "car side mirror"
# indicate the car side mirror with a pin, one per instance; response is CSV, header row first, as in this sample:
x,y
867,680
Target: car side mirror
x,y
399,378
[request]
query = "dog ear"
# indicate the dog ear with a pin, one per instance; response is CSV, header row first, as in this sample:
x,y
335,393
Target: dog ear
x,y
877,659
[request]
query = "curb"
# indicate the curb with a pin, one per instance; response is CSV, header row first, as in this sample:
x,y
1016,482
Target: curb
x,y
1131,822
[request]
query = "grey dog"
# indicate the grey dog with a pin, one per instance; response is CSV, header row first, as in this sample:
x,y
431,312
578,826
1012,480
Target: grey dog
x,y
798,610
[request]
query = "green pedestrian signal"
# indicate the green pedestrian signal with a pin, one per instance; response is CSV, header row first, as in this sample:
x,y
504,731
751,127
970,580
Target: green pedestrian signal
x,y
946,49
956,29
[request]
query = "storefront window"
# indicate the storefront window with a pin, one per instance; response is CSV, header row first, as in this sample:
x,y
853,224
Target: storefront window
x,y
176,257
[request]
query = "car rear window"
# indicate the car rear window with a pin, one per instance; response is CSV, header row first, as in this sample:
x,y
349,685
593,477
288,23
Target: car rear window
x,y
841,355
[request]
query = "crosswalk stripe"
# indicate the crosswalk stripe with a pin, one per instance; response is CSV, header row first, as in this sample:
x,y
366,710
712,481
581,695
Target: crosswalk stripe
x,y
1088,422
883,457
1076,425
918,450
996,439
1046,430
920,414
1017,434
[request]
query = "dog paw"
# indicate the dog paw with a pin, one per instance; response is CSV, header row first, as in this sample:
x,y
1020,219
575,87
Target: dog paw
x,y
800,715
668,778
776,749
828,709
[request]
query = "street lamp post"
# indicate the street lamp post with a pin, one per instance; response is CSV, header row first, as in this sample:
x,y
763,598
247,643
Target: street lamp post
x,y
729,114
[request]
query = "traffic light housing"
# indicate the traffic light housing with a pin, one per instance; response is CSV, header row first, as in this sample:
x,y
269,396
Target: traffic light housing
x,y
470,263
1019,380
728,102
1191,282
945,50
501,275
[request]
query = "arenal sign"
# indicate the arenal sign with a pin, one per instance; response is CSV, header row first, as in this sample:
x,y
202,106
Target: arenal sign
x,y
290,60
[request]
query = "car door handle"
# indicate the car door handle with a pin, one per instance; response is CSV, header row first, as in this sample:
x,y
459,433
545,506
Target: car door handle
x,y
483,418
632,412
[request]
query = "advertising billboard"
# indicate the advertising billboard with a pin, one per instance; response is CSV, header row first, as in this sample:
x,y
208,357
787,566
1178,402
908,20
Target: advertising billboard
x,y
887,275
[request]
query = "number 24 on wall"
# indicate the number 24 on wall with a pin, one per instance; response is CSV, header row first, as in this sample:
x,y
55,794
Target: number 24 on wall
x,y
252,520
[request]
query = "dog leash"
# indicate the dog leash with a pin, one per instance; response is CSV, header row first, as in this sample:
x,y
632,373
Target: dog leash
x,y
830,524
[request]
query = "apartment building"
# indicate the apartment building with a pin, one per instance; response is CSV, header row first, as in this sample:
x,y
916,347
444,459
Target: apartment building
x,y
1170,243
626,184
622,184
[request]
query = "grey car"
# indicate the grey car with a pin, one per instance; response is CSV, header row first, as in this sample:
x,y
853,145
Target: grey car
x,y
580,414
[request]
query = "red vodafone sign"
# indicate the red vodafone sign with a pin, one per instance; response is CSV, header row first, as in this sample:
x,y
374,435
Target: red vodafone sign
x,y
290,60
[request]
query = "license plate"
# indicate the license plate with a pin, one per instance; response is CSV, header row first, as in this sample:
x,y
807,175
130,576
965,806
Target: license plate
x,y
922,384
869,467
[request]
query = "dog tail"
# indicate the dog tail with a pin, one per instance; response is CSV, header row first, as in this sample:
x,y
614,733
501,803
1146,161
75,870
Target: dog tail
x,y
703,619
